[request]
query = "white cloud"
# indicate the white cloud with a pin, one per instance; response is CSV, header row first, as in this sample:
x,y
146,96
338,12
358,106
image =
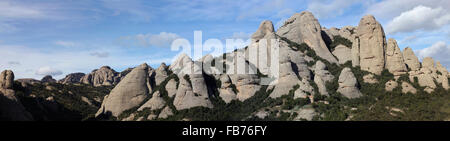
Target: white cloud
x,y
438,51
327,8
9,9
388,9
100,54
48,71
65,43
409,39
419,18
163,39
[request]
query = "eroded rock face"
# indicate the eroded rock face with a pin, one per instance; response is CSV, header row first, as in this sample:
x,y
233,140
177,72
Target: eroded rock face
x,y
105,76
171,87
192,90
372,43
355,52
165,113
305,28
304,90
10,107
287,78
129,93
160,74
343,54
348,85
265,30
321,76
72,78
394,59
411,59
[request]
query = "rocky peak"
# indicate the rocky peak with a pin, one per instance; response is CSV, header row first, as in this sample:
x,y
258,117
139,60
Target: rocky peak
x,y
264,30
411,59
160,74
105,76
305,28
72,78
394,58
348,84
7,79
372,41
48,79
129,93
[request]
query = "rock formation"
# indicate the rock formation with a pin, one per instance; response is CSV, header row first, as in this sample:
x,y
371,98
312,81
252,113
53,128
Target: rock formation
x,y
155,103
129,93
408,88
372,45
391,85
105,76
305,28
10,106
72,78
343,54
321,77
48,79
410,59
348,85
394,59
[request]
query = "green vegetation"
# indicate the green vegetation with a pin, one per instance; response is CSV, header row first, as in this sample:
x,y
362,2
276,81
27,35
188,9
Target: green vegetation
x,y
339,40
66,103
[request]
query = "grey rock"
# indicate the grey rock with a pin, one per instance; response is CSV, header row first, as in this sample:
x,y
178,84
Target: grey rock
x,y
372,41
348,85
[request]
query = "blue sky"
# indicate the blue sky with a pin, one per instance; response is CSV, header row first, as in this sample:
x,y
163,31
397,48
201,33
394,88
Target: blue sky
x,y
57,37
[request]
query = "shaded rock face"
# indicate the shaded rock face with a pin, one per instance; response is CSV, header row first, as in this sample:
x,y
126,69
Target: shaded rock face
x,y
129,93
48,79
372,43
347,32
348,85
394,58
171,87
72,78
10,107
343,54
305,28
410,59
105,76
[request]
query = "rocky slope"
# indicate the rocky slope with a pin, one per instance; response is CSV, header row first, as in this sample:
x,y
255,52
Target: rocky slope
x,y
351,73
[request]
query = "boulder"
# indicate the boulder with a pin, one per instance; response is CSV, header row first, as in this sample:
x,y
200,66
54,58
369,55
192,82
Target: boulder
x,y
165,113
372,44
192,93
411,60
408,88
7,79
394,59
304,90
370,78
391,85
305,28
287,77
343,54
129,93
348,85
155,103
